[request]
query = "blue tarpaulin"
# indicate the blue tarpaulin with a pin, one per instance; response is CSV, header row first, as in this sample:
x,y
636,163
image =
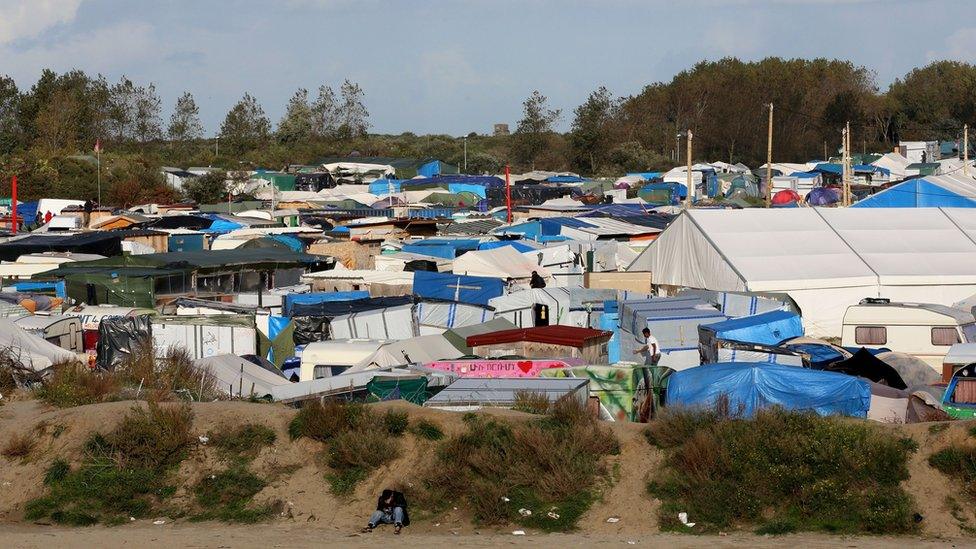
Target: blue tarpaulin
x,y
381,187
37,287
220,224
437,247
445,180
917,193
754,386
770,328
520,246
461,288
288,301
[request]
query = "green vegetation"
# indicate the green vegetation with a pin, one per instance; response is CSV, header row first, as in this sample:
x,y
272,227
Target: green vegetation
x,y
143,375
242,443
427,429
937,428
125,473
551,466
358,441
780,471
227,496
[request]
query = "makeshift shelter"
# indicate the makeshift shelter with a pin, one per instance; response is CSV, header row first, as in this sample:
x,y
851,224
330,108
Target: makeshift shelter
x,y
579,307
206,335
289,300
866,365
434,316
751,386
30,351
457,287
544,342
459,336
420,350
103,243
750,338
673,321
615,386
933,191
373,318
475,393
824,259
241,378
504,263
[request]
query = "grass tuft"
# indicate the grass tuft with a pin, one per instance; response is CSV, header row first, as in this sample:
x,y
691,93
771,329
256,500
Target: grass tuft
x,y
242,443
226,496
19,446
803,472
427,429
396,422
532,402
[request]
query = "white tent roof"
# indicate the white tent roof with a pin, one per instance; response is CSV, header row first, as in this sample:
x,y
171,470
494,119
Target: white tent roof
x,y
895,163
504,262
807,248
236,375
421,349
33,352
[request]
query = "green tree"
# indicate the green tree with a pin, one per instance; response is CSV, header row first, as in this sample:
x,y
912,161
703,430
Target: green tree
x,y
245,126
209,188
147,121
325,113
296,124
534,130
353,116
184,123
11,136
590,136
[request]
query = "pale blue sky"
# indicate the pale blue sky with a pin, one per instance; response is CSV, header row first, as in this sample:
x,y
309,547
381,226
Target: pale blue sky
x,y
438,66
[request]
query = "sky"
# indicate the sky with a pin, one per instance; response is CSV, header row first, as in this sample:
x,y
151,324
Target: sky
x,y
454,67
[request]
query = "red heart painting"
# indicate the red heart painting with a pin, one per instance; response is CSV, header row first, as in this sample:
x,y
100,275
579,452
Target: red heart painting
x,y
524,365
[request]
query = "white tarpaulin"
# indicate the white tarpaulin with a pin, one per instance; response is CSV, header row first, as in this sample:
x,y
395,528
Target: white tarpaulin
x,y
239,377
31,351
825,258
390,323
421,350
504,262
518,307
435,317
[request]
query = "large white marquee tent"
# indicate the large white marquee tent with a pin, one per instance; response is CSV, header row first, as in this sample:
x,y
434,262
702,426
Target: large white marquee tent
x,y
825,259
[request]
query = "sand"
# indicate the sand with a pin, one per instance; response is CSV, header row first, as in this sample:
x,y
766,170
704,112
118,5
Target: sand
x,y
313,516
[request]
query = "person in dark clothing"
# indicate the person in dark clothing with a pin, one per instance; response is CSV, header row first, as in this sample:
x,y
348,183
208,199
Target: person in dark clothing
x,y
89,206
391,508
537,281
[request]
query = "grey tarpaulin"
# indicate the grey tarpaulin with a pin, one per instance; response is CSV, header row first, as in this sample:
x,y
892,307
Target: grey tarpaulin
x,y
119,337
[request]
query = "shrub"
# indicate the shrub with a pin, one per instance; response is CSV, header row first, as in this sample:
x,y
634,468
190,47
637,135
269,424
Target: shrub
x,y
19,446
164,377
227,496
395,422
358,440
124,474
549,465
782,471
244,442
532,402
72,385
427,429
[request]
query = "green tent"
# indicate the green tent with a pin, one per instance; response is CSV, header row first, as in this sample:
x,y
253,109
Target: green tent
x,y
411,389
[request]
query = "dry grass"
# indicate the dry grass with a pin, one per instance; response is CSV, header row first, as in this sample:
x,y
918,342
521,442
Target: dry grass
x,y
74,385
19,446
532,402
497,467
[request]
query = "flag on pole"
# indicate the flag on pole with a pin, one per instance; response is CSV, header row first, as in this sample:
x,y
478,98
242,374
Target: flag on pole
x,y
98,145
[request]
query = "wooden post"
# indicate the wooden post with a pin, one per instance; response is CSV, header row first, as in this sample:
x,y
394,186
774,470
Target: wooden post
x,y
13,205
965,151
769,159
508,192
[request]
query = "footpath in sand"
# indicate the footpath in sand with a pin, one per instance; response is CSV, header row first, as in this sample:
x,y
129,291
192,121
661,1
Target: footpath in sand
x,y
314,516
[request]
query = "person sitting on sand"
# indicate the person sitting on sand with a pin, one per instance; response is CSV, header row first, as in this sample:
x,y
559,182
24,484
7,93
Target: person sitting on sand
x,y
391,508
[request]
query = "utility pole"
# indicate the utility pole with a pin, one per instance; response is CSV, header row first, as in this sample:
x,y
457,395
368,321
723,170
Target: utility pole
x,y
965,149
217,146
690,180
769,159
845,160
465,138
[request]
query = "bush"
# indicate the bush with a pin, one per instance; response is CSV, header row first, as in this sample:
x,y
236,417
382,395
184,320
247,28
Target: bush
x,y
427,429
395,422
532,402
550,465
73,385
781,471
227,496
165,377
244,442
19,446
358,440
124,474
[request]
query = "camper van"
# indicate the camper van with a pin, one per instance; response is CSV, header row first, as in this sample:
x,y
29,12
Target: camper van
x,y
924,330
330,358
63,331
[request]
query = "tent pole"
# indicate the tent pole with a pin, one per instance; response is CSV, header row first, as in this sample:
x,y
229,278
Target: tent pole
x,y
13,204
508,192
690,180
769,159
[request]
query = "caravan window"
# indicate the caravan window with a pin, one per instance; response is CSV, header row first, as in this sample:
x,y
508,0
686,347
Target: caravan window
x,y
945,336
870,335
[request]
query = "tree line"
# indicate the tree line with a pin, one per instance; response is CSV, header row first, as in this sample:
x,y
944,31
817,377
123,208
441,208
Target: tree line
x,y
46,128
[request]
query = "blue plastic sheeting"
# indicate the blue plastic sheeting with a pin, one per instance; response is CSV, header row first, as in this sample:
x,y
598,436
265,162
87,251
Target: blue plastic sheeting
x,y
430,169
467,188
220,225
461,288
553,226
293,243
27,211
341,230
565,179
610,322
770,328
647,175
820,355
828,168
916,193
755,386
530,229
276,324
28,287
381,187
482,180
823,196
519,245
447,249
805,175
288,301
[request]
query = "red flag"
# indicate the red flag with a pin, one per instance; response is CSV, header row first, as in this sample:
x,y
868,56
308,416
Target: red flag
x,y
98,145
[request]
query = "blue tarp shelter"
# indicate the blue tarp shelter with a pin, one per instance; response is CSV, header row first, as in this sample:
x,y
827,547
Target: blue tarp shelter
x,y
381,187
754,386
519,245
769,328
437,247
460,288
288,301
926,192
